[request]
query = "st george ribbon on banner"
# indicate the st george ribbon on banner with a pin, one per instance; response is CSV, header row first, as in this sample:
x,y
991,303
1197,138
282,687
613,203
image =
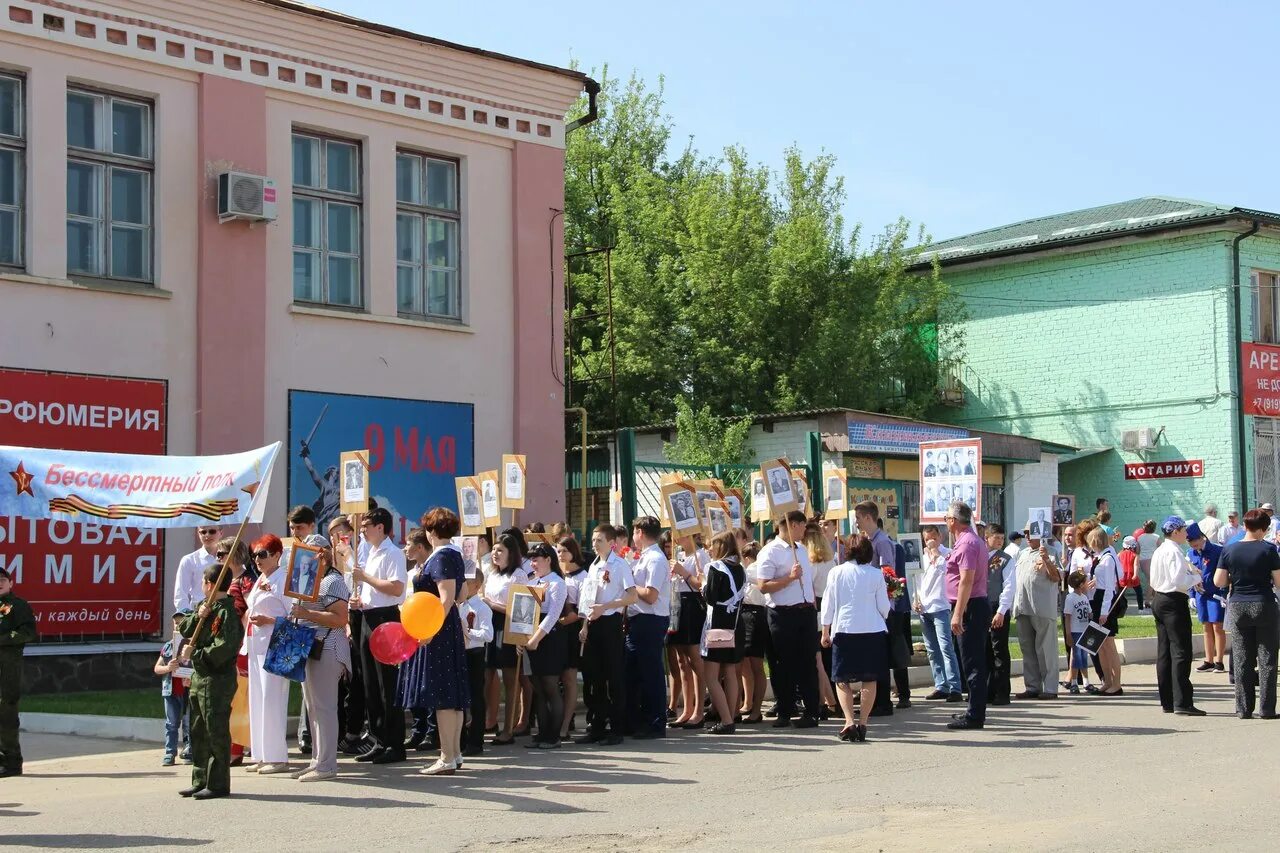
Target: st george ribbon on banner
x,y
124,490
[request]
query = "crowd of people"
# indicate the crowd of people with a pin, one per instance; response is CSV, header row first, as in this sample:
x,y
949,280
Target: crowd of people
x,y
681,635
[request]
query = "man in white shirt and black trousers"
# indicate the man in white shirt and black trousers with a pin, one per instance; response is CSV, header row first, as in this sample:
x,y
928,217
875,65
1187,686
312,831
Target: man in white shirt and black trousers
x,y
188,590
786,579
647,622
381,583
607,591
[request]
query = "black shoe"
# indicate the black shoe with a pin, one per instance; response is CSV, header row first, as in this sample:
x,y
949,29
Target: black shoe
x,y
388,756
207,794
610,740
998,702
805,722
781,723
1193,711
1205,667
304,748
860,734
722,729
964,723
1245,715
187,792
1167,710
472,751
903,704
671,714
886,711
1026,694
937,694
847,734
955,697
351,745
1268,716
1218,667
772,712
415,740
371,754
651,734
590,738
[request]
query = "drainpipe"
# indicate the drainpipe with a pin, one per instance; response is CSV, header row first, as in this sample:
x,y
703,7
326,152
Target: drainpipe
x,y
593,91
581,412
1238,383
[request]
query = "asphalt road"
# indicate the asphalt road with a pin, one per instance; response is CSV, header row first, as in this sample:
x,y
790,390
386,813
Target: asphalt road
x,y
1076,774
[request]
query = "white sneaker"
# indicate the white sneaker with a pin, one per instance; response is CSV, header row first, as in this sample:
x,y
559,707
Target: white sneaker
x,y
298,774
440,768
317,775
253,768
268,769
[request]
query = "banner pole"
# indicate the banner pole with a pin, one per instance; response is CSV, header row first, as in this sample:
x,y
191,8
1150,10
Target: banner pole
x,y
226,562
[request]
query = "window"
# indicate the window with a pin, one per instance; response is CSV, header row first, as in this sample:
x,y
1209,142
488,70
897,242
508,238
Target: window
x,y
109,186
12,170
427,223
326,221
1265,304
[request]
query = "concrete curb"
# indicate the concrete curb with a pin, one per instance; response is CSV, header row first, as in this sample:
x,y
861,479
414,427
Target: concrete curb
x,y
112,728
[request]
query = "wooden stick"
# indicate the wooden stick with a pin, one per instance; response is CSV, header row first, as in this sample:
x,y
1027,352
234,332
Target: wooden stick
x,y
226,566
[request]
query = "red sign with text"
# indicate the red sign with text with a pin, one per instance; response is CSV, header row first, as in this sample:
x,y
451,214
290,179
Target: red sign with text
x,y
1260,380
84,580
1164,470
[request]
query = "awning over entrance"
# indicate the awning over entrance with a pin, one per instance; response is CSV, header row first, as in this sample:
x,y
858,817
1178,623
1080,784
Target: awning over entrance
x,y
1081,454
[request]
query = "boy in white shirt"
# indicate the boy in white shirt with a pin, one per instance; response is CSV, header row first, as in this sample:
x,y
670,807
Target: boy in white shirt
x,y
477,630
1079,612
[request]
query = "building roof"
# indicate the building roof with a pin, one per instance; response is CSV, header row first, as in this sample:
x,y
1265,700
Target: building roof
x,y
1136,216
384,29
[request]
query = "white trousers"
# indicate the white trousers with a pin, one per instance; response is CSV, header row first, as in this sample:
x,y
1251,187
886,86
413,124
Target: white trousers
x,y
268,712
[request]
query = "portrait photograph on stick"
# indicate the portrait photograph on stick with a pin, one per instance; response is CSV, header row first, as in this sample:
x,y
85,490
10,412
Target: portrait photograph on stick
x,y
1064,509
302,580
523,613
513,476
354,467
681,504
469,512
779,488
490,498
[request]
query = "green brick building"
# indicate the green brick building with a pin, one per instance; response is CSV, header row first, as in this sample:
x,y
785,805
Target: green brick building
x,y
1115,330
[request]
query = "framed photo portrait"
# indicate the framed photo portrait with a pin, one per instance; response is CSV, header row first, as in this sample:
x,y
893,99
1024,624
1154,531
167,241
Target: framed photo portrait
x,y
513,476
1064,509
490,498
1038,526
759,500
780,489
835,490
302,575
353,466
523,613
469,511
681,503
718,518
733,497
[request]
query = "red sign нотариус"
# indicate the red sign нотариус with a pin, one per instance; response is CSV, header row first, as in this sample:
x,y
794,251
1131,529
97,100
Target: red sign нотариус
x,y
1260,380
84,579
1164,470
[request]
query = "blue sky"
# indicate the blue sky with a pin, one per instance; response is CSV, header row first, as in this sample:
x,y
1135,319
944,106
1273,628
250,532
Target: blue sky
x,y
960,116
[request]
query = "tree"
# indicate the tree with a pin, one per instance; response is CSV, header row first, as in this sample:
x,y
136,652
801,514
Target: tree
x,y
702,438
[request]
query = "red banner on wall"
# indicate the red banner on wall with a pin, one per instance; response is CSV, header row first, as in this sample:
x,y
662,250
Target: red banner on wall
x,y
1164,470
84,579
1260,380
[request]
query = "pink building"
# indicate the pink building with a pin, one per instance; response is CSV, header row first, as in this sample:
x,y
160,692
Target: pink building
x,y
404,295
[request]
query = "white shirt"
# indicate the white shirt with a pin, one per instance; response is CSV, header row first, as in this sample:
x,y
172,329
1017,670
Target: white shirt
x,y
1008,585
607,580
188,584
932,589
754,596
1147,544
857,601
1078,608
821,571
573,585
1013,549
496,585
477,622
554,593
692,564
775,561
1210,526
1107,575
1170,570
652,570
385,562
1227,532
264,602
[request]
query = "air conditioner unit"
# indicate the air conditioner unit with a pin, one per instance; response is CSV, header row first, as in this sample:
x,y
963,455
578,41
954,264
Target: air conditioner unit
x,y
248,197
1146,438
1139,439
1129,439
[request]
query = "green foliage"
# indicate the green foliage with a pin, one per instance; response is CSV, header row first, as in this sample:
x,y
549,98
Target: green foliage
x,y
732,287
702,438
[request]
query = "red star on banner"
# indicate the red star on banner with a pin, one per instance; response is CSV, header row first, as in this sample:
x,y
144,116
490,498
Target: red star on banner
x,y
23,480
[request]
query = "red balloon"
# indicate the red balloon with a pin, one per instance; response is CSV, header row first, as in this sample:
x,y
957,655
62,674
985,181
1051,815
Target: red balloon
x,y
391,644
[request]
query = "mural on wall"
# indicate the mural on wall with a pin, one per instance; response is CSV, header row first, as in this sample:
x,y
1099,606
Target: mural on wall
x,y
416,449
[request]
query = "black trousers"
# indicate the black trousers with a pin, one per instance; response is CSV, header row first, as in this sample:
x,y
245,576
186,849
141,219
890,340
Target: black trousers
x,y
604,669
386,721
972,647
1173,648
473,735
899,627
795,664
998,664
351,715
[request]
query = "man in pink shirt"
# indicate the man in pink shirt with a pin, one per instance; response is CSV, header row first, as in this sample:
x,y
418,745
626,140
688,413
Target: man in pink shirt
x,y
970,611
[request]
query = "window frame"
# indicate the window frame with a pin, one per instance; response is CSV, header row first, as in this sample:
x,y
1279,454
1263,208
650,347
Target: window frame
x,y
324,196
107,162
18,145
425,212
1258,332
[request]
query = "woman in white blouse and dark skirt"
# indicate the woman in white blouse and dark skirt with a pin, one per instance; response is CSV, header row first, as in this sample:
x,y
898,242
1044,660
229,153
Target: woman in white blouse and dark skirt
x,y
548,648
854,610
725,587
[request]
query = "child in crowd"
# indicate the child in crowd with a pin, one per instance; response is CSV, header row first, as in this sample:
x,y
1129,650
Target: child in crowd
x,y
477,629
174,691
1078,610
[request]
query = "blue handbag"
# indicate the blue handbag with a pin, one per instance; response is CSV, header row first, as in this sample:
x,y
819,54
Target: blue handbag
x,y
287,652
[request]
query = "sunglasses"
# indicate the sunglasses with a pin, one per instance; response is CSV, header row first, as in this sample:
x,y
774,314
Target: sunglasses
x,y
261,555
221,555
208,532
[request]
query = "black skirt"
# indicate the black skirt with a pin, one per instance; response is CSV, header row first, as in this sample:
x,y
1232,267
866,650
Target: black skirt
x,y
755,631
859,657
573,652
551,655
499,655
1113,620
688,627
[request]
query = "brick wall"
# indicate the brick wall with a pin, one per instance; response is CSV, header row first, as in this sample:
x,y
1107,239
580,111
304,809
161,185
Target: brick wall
x,y
1080,346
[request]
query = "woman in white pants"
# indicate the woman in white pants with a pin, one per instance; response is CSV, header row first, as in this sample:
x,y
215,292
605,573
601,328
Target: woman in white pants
x,y
268,694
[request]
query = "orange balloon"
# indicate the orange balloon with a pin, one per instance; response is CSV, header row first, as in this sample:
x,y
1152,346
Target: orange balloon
x,y
422,615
